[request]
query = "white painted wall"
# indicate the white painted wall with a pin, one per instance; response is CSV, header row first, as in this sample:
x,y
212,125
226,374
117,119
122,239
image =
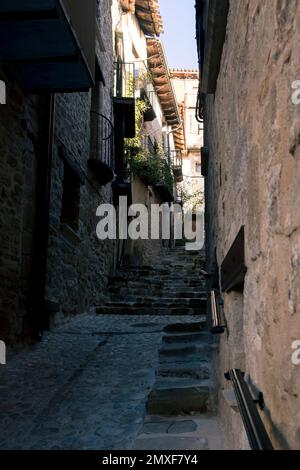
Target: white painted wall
x,y
186,92
135,51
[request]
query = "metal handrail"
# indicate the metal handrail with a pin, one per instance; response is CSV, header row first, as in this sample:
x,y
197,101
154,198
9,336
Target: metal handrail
x,y
103,138
255,429
218,323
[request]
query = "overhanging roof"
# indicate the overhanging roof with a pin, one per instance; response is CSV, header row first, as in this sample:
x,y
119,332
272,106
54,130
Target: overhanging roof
x,y
185,74
148,14
159,70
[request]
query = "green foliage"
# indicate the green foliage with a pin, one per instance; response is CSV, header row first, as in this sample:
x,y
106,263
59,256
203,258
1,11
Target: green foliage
x,y
152,169
133,146
129,85
190,198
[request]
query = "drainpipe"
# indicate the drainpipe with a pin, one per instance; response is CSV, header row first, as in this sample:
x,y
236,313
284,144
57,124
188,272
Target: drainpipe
x,y
39,319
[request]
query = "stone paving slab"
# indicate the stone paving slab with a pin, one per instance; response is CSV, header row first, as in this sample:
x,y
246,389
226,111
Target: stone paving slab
x,y
171,443
199,432
85,386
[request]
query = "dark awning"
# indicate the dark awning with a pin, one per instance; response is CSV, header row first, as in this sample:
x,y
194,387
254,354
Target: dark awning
x,y
49,44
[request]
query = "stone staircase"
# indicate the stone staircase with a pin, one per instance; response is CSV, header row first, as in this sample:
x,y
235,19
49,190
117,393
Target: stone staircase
x,y
181,407
172,286
180,411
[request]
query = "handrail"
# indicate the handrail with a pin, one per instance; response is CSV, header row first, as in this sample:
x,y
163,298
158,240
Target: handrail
x,y
255,429
103,138
107,120
218,323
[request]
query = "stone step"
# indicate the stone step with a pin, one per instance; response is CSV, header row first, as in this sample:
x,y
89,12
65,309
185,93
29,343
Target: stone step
x,y
154,290
174,275
169,442
187,300
187,292
189,397
182,349
190,294
161,303
156,301
182,281
167,383
190,338
185,370
144,310
168,426
189,358
159,299
185,327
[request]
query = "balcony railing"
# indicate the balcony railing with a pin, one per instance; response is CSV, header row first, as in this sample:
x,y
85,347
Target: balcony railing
x,y
124,78
176,163
102,147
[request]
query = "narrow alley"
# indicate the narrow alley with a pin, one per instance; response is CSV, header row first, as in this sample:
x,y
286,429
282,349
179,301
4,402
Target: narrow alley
x,y
88,384
149,228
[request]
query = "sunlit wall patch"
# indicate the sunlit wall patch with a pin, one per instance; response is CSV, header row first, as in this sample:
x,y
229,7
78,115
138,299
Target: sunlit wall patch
x,y
296,93
2,353
2,92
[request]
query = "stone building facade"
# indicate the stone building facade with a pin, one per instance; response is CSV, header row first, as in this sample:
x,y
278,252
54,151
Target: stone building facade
x,y
62,144
249,61
137,26
77,262
186,86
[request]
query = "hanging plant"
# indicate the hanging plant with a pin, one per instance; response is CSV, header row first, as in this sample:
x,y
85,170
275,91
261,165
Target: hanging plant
x,y
152,168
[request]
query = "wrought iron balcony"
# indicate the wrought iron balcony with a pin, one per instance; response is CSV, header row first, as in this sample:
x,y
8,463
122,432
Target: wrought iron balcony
x,y
124,80
176,162
179,198
102,148
49,45
124,97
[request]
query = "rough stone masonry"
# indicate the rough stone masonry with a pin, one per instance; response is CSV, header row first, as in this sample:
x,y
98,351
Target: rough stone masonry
x,y
253,135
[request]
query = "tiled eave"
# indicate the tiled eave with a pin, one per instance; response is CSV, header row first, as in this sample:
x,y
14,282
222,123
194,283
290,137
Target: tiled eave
x,y
148,14
158,68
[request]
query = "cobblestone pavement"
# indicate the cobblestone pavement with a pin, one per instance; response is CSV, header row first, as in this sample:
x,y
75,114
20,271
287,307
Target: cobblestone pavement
x,y
84,386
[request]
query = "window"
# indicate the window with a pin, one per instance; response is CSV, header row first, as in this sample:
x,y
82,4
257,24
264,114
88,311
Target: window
x,y
71,198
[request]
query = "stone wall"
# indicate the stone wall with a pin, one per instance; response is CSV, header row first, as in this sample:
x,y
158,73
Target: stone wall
x,y
253,135
144,252
18,139
78,263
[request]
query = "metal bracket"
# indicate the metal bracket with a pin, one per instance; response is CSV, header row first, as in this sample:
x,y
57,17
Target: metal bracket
x,y
260,401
